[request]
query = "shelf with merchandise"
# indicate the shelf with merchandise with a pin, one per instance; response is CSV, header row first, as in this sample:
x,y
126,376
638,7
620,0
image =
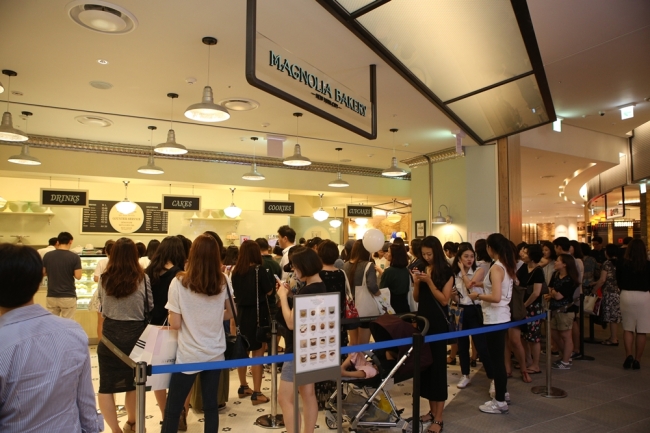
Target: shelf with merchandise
x,y
86,286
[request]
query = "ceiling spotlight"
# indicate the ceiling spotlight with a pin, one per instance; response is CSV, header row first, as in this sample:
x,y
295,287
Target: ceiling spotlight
x,y
253,174
393,170
335,222
338,182
321,214
296,160
170,147
440,219
627,112
232,211
207,110
102,62
7,130
151,167
126,206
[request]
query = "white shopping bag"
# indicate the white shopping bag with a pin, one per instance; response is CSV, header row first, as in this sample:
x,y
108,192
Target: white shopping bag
x,y
156,346
383,302
413,305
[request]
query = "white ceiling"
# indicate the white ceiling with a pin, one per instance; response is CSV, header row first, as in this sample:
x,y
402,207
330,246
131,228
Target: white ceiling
x,y
594,51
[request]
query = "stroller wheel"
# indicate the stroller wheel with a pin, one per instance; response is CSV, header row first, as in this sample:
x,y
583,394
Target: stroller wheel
x,y
331,423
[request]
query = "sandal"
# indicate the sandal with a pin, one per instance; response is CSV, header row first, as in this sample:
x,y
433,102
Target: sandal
x,y
244,391
609,343
439,423
525,377
451,361
426,418
529,371
259,398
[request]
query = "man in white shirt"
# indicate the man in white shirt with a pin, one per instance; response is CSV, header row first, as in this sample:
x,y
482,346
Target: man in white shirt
x,y
286,239
50,247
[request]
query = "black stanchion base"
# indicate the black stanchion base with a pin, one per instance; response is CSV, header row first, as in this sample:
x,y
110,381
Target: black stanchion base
x,y
554,392
270,421
584,358
593,341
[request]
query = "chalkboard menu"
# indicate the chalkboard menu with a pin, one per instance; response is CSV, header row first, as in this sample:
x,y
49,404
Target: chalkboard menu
x,y
279,207
101,217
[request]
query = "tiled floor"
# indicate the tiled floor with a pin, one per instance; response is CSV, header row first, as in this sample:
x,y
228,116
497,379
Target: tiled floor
x,y
602,397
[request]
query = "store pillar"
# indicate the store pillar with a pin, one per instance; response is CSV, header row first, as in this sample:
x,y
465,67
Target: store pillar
x,y
509,187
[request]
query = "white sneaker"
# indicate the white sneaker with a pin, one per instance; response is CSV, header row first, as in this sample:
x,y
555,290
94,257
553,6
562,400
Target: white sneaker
x,y
561,366
492,391
494,406
463,382
508,397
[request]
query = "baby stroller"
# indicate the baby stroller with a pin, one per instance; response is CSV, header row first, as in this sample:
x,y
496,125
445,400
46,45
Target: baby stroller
x,y
359,406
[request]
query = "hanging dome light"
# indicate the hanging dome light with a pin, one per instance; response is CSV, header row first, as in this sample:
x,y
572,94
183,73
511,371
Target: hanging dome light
x,y
7,130
170,147
361,221
151,167
24,157
253,174
232,211
296,160
338,182
393,216
335,222
321,214
393,170
207,110
126,206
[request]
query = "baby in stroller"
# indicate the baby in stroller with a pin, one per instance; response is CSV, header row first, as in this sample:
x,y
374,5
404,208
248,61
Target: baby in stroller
x,y
356,366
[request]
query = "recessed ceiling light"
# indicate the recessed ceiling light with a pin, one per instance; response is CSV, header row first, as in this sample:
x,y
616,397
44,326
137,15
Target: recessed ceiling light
x,y
16,93
102,62
102,85
102,16
239,104
405,144
346,160
94,121
547,176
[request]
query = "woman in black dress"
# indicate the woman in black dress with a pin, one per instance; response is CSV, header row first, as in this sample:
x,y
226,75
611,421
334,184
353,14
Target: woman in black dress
x,y
252,285
432,286
166,262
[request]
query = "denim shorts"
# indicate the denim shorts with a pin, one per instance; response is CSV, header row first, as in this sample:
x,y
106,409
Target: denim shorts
x,y
287,372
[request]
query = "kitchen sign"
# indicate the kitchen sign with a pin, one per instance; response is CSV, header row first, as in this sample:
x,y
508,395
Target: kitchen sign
x,y
68,197
358,211
181,202
279,207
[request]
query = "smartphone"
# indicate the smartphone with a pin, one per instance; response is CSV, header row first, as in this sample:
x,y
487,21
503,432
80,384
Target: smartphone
x,y
416,271
228,268
277,279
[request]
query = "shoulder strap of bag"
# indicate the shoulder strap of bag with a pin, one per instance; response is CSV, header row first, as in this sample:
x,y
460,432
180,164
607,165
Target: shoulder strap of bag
x,y
348,290
146,295
232,304
365,271
257,293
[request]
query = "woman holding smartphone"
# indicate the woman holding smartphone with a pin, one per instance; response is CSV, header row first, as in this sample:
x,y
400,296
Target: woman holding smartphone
x,y
306,267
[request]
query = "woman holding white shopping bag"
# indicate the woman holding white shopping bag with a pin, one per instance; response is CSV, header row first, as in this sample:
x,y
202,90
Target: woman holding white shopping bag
x,y
362,276
197,307
125,297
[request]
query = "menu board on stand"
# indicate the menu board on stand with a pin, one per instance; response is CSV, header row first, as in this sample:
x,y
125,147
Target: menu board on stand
x,y
101,216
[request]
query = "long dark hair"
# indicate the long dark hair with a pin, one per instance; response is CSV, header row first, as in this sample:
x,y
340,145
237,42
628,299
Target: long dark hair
x,y
464,246
123,273
170,250
249,254
637,254
440,269
232,253
480,247
571,268
551,248
203,273
577,250
359,254
503,247
152,246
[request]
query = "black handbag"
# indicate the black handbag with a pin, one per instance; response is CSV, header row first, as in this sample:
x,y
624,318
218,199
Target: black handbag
x,y
263,333
148,315
236,345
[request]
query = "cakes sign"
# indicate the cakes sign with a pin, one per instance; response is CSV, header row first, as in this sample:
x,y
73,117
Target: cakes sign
x,y
178,202
68,197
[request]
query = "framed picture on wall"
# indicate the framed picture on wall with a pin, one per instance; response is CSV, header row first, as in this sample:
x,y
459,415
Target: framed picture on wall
x,y
420,229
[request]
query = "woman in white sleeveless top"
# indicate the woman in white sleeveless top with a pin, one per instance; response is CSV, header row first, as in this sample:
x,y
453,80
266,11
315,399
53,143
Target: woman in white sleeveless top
x,y
497,291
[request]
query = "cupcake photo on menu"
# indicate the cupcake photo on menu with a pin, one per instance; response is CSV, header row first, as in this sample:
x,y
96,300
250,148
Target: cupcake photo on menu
x,y
303,329
303,359
313,328
331,325
332,339
322,341
312,312
332,353
312,342
303,344
323,356
322,326
331,310
313,356
322,311
303,314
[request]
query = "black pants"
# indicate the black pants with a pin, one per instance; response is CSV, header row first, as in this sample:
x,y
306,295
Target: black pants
x,y
472,319
496,348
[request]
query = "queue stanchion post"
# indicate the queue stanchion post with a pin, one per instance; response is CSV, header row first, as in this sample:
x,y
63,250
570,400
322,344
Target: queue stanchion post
x,y
272,420
548,391
140,395
582,356
418,342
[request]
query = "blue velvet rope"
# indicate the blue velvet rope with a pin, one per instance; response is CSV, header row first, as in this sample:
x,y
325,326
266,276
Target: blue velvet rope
x,y
218,365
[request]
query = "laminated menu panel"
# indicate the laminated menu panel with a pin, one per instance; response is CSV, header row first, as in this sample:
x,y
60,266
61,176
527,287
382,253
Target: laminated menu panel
x,y
615,177
641,153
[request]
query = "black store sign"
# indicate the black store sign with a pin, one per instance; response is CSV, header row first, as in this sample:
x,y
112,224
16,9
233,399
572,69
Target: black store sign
x,y
181,202
359,211
60,197
279,207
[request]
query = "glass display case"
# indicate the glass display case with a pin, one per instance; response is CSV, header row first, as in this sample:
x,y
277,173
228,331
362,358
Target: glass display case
x,y
86,286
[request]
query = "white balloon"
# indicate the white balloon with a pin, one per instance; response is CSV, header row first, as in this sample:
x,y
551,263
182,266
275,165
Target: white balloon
x,y
373,240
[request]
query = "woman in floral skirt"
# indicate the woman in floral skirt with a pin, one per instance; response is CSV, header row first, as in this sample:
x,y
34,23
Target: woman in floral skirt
x,y
611,303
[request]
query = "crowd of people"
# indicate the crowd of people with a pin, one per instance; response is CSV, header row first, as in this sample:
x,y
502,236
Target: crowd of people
x,y
205,291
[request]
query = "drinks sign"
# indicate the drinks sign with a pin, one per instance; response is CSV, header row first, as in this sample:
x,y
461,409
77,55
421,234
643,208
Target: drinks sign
x,y
359,211
68,197
279,207
178,202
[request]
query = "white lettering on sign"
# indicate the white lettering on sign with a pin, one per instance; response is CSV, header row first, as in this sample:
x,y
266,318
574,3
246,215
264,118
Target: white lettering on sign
x,y
182,203
64,198
279,207
359,211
